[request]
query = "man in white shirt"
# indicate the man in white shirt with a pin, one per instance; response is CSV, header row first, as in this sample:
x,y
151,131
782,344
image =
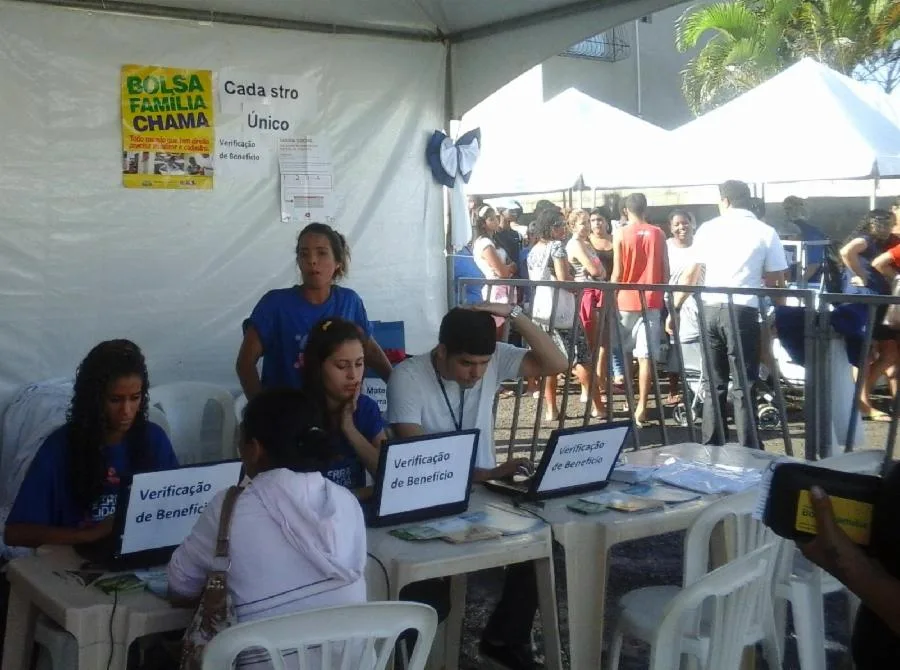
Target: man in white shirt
x,y
734,250
452,388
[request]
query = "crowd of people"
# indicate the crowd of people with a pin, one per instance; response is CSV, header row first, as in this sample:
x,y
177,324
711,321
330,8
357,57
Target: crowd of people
x,y
310,439
737,250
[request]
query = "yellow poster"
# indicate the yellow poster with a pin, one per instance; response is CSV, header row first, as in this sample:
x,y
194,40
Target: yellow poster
x,y
167,127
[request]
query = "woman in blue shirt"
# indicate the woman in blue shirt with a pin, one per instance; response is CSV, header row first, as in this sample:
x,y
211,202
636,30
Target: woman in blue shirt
x,y
68,496
280,323
334,370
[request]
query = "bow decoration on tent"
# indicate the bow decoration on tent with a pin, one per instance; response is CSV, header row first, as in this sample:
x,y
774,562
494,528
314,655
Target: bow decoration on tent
x,y
447,158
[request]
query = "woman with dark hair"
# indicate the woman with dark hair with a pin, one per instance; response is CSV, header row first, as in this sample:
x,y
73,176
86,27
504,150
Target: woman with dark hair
x,y
280,323
874,235
334,372
68,496
547,261
297,541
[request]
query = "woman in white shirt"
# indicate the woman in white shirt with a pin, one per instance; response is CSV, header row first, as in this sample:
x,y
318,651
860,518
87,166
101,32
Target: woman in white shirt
x,y
491,259
298,541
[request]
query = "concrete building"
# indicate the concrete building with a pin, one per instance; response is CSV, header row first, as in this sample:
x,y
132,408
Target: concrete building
x,y
638,69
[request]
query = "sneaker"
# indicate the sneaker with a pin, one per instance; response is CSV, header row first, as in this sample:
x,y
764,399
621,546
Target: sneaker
x,y
509,657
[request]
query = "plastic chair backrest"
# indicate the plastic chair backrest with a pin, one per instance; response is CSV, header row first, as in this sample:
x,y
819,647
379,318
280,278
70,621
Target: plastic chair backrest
x,y
865,461
742,533
740,593
201,420
354,637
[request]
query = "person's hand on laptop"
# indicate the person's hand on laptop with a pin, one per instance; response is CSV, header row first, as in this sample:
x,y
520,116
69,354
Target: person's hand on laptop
x,y
513,467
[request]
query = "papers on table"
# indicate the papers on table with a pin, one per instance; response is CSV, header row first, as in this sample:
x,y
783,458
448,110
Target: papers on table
x,y
490,523
698,477
708,479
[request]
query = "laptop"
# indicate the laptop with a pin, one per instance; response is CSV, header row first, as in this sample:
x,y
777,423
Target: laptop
x,y
575,460
423,478
155,511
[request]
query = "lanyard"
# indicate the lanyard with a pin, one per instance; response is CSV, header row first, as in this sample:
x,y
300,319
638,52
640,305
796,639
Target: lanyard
x,y
462,399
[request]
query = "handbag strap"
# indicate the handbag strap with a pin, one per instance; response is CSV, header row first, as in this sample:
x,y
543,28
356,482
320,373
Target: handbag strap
x,y
222,539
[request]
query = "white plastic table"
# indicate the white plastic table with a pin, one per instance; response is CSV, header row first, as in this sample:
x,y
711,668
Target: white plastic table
x,y
100,624
407,562
587,540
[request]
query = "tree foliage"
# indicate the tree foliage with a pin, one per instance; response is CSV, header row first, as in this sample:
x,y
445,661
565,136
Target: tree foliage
x,y
745,42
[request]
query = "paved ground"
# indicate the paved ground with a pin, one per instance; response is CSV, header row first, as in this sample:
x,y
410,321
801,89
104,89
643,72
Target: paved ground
x,y
644,562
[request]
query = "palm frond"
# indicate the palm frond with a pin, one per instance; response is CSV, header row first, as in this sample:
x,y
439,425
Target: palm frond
x,y
733,19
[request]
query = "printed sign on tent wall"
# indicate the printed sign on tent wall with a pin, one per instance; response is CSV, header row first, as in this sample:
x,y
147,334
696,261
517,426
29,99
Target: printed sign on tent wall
x,y
254,112
307,180
167,127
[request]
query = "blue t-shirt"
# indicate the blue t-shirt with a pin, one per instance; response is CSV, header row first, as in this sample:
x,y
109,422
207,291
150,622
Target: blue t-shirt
x,y
283,318
815,254
45,498
348,471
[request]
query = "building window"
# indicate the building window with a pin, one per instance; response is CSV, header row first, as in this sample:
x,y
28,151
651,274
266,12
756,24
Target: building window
x,y
609,46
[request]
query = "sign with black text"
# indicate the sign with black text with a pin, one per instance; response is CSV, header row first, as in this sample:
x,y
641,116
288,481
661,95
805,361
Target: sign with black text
x,y
163,506
426,473
376,389
583,457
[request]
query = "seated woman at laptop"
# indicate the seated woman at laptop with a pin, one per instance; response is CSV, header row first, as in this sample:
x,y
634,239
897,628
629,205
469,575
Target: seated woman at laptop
x,y
298,540
333,370
68,496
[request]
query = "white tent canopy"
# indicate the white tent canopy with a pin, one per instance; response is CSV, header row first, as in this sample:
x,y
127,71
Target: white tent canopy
x,y
83,259
489,41
550,147
806,123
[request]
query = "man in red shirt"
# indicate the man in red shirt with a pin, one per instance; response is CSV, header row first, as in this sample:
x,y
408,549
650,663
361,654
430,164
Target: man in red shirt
x,y
639,257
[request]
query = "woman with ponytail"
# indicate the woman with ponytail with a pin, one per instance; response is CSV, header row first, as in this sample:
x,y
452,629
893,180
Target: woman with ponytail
x,y
334,376
297,541
280,323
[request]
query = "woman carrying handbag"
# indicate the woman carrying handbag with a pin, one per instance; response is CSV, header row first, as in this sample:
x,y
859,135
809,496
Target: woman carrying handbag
x,y
290,541
547,261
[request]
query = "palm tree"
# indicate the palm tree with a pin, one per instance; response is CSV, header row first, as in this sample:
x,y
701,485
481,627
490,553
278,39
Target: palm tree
x,y
749,41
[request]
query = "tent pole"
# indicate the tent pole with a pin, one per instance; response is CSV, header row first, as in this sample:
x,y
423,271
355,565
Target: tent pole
x,y
448,219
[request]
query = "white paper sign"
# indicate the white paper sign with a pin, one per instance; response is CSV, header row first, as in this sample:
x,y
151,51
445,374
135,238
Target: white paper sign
x,y
307,180
583,458
254,111
376,389
426,473
164,506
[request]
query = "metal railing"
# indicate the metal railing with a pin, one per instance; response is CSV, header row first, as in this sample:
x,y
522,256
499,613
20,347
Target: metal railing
x,y
610,333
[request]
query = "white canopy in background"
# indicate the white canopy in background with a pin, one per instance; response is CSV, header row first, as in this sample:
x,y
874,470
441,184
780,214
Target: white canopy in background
x,y
549,147
490,42
806,123
83,259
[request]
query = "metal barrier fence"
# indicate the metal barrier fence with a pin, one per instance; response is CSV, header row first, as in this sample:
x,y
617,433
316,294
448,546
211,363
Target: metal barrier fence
x,y
818,350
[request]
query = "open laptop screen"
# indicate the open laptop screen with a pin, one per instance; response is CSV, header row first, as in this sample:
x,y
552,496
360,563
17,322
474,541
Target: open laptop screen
x,y
424,477
580,458
157,510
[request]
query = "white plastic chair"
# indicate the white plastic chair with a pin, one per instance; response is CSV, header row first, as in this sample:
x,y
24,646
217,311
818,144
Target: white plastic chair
x,y
355,637
641,611
201,417
808,584
735,595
